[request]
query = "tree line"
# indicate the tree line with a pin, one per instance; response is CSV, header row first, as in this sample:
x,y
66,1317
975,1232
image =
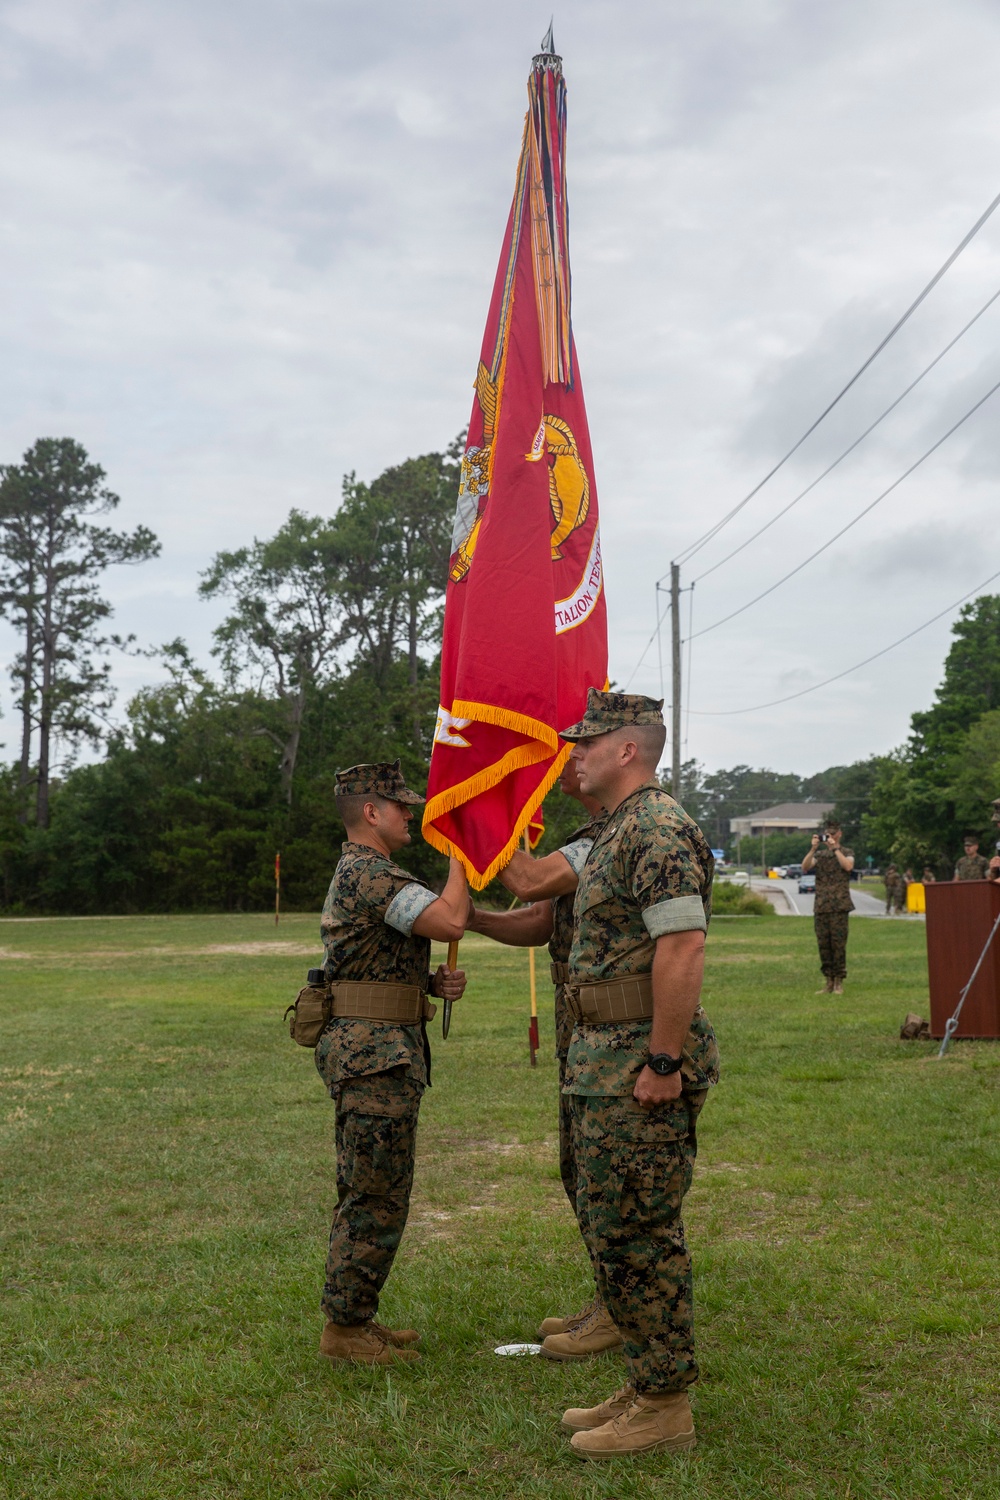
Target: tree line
x,y
327,655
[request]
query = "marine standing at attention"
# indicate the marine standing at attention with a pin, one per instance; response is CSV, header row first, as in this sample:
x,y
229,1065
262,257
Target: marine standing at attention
x,y
832,904
972,865
377,926
892,880
549,884
641,1059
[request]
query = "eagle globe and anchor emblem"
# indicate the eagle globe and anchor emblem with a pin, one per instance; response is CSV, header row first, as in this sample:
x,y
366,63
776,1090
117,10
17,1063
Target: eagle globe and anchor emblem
x,y
569,501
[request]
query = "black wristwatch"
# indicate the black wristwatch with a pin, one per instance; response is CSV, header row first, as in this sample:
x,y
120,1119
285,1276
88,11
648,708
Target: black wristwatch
x,y
663,1064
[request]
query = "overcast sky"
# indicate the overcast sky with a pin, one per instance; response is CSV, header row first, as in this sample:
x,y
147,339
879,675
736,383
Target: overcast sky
x,y
245,249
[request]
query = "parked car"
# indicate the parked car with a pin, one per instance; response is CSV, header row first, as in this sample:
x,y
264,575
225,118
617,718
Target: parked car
x,y
807,882
793,872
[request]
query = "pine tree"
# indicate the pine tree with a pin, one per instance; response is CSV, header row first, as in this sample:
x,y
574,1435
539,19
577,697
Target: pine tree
x,y
51,555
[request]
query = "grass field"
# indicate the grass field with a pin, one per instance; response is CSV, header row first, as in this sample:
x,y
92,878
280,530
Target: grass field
x,y
167,1185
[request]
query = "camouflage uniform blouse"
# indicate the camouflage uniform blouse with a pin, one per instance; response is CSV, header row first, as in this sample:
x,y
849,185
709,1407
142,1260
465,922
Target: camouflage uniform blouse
x,y
973,867
648,873
833,884
575,852
367,924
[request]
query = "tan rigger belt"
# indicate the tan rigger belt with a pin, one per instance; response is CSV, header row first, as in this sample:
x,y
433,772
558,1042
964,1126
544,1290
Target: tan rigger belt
x,y
397,1004
559,973
628,999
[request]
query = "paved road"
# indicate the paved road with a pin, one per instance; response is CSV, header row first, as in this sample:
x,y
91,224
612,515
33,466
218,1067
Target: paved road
x,y
788,902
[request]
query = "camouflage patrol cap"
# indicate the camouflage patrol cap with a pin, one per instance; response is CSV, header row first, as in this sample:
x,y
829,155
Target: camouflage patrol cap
x,y
376,779
608,711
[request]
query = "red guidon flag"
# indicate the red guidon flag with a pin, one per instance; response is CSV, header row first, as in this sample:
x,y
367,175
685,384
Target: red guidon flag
x,y
525,625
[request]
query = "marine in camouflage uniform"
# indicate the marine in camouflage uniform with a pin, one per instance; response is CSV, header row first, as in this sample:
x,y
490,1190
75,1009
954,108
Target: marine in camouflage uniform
x,y
972,865
547,886
899,894
376,1072
893,880
648,873
575,850
832,906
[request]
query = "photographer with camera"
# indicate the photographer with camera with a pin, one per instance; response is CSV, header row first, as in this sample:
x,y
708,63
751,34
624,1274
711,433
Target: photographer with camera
x,y
832,904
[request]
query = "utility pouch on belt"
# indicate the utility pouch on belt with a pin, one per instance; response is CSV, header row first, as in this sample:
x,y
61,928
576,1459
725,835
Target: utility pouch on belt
x,y
310,1014
559,973
317,1004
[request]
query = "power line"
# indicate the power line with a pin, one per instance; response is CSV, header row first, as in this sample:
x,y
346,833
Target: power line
x,y
868,430
714,530
715,713
660,617
860,516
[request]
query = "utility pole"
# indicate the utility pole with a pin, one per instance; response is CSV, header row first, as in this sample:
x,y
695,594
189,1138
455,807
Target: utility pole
x,y
675,639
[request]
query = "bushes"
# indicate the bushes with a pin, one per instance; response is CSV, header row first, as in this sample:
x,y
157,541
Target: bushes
x,y
732,900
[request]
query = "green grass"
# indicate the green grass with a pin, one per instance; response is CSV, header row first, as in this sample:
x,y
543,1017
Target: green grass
x,y
167,1185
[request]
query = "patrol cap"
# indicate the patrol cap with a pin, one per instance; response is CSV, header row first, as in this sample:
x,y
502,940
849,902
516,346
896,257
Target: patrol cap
x,y
381,778
608,711
970,838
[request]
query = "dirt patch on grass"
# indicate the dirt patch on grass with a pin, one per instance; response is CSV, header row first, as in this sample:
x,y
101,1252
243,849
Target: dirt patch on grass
x,y
749,958
283,948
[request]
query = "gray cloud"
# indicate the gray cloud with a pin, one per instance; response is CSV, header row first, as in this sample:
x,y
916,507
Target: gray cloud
x,y
244,250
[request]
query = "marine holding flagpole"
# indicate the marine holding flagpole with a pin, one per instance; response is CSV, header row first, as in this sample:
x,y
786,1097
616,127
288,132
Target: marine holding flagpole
x,y
526,552
373,1055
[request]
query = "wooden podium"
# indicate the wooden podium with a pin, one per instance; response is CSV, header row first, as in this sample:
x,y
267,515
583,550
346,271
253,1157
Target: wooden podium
x,y
959,917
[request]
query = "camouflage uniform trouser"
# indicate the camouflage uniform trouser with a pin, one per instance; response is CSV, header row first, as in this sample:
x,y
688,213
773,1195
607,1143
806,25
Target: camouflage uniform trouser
x,y
634,1168
376,1142
567,1156
831,935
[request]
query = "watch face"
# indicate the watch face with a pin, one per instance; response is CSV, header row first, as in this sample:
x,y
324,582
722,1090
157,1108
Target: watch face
x,y
664,1065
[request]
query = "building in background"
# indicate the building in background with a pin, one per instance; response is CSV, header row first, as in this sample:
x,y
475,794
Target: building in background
x,y
787,817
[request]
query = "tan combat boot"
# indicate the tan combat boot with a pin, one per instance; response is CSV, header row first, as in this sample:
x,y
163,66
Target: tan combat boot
x,y
595,1334
563,1325
838,986
651,1424
399,1337
583,1418
361,1344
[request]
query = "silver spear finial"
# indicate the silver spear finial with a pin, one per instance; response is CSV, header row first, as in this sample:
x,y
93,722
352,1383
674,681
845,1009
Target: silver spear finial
x,y
548,58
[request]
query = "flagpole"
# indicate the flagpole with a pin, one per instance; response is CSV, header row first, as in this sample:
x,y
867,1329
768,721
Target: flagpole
x,y
533,1023
446,1012
277,887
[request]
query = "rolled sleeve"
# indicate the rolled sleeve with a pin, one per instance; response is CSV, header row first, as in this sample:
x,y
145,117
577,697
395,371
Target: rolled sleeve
x,y
575,854
406,906
679,914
